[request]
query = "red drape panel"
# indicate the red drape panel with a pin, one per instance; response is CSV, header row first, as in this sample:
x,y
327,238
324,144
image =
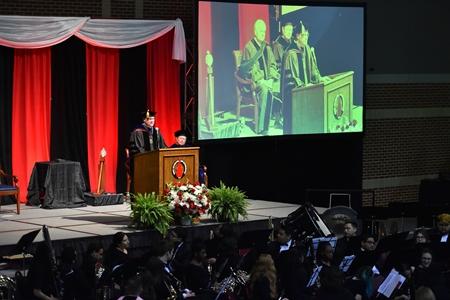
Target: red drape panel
x,y
102,88
30,112
163,77
248,14
205,38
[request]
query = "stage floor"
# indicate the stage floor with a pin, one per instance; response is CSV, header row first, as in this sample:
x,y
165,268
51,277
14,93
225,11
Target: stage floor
x,y
96,221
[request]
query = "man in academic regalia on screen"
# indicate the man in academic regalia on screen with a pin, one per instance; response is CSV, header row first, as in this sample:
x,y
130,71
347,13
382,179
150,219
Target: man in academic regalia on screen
x,y
262,70
299,68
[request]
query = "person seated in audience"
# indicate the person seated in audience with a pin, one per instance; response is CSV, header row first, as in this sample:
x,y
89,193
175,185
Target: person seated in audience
x,y
41,283
160,281
332,285
324,254
365,255
440,241
430,274
227,258
406,291
283,241
424,293
198,270
133,288
182,252
92,269
262,284
117,254
73,285
348,244
412,249
292,274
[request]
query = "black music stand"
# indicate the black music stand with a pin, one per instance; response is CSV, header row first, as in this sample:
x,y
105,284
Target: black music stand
x,y
24,244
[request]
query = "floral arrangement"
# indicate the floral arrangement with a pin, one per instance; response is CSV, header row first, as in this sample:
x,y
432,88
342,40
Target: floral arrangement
x,y
186,199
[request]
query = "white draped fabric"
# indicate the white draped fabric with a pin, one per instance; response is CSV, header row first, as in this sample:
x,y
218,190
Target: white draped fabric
x,y
39,32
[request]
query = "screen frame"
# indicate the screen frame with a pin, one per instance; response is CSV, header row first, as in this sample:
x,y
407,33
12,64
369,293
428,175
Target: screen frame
x,y
283,137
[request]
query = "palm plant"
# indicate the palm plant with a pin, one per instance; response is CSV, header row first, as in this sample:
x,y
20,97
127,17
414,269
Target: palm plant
x,y
227,203
149,211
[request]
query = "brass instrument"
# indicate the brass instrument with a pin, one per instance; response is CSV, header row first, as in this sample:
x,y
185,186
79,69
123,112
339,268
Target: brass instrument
x,y
7,287
173,285
232,283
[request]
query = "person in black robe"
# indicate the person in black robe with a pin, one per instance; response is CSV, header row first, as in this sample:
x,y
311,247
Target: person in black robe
x,y
180,139
146,137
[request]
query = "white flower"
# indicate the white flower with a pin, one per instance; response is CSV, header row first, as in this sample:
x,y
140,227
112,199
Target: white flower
x,y
183,188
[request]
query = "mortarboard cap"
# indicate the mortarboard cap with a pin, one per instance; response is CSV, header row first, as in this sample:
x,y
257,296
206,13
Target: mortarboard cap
x,y
180,133
147,114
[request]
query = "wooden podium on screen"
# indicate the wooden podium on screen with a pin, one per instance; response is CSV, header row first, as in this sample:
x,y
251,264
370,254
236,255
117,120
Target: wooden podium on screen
x,y
324,107
153,170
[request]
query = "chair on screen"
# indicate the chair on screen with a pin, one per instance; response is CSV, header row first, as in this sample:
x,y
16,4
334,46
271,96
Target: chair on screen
x,y
9,187
245,93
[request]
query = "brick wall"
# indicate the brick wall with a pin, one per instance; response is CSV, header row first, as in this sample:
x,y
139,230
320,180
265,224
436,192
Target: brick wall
x,y
408,146
91,8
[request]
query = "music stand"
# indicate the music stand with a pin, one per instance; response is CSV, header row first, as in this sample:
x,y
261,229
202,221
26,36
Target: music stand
x,y
24,244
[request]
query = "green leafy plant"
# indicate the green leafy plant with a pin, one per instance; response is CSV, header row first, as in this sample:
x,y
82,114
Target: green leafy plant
x,y
227,203
149,211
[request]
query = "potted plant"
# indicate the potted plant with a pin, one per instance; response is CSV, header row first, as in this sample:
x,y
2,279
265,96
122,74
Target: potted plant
x,y
187,201
148,211
227,203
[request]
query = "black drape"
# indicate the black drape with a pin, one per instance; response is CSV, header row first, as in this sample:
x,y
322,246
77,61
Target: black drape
x,y
6,72
132,101
68,130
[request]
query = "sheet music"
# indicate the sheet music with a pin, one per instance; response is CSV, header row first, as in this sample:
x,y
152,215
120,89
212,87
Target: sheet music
x,y
346,263
393,281
444,238
314,276
315,243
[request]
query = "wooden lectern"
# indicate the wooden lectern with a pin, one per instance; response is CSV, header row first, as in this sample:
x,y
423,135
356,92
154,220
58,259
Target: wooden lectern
x,y
324,107
153,170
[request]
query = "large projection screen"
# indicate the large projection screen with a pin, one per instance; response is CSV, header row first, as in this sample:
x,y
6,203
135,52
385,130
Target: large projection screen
x,y
272,70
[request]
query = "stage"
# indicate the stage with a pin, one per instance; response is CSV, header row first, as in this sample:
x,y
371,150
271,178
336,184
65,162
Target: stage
x,y
78,227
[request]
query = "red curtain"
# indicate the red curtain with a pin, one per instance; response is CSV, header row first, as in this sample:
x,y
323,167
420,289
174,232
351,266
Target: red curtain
x,y
248,14
163,77
102,88
30,112
205,36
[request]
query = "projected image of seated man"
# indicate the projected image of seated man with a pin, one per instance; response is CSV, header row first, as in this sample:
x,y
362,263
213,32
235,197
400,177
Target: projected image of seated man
x,y
259,65
299,68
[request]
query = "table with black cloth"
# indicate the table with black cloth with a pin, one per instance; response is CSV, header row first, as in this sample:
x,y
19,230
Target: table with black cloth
x,y
56,184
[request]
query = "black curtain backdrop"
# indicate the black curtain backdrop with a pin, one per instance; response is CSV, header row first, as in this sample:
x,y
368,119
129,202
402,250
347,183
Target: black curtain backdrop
x,y
68,119
6,72
132,101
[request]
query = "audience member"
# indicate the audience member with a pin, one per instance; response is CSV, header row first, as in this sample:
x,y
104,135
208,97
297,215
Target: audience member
x,y
262,284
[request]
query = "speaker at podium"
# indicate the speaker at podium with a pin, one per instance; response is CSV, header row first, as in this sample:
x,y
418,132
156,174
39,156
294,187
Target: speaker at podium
x,y
324,107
